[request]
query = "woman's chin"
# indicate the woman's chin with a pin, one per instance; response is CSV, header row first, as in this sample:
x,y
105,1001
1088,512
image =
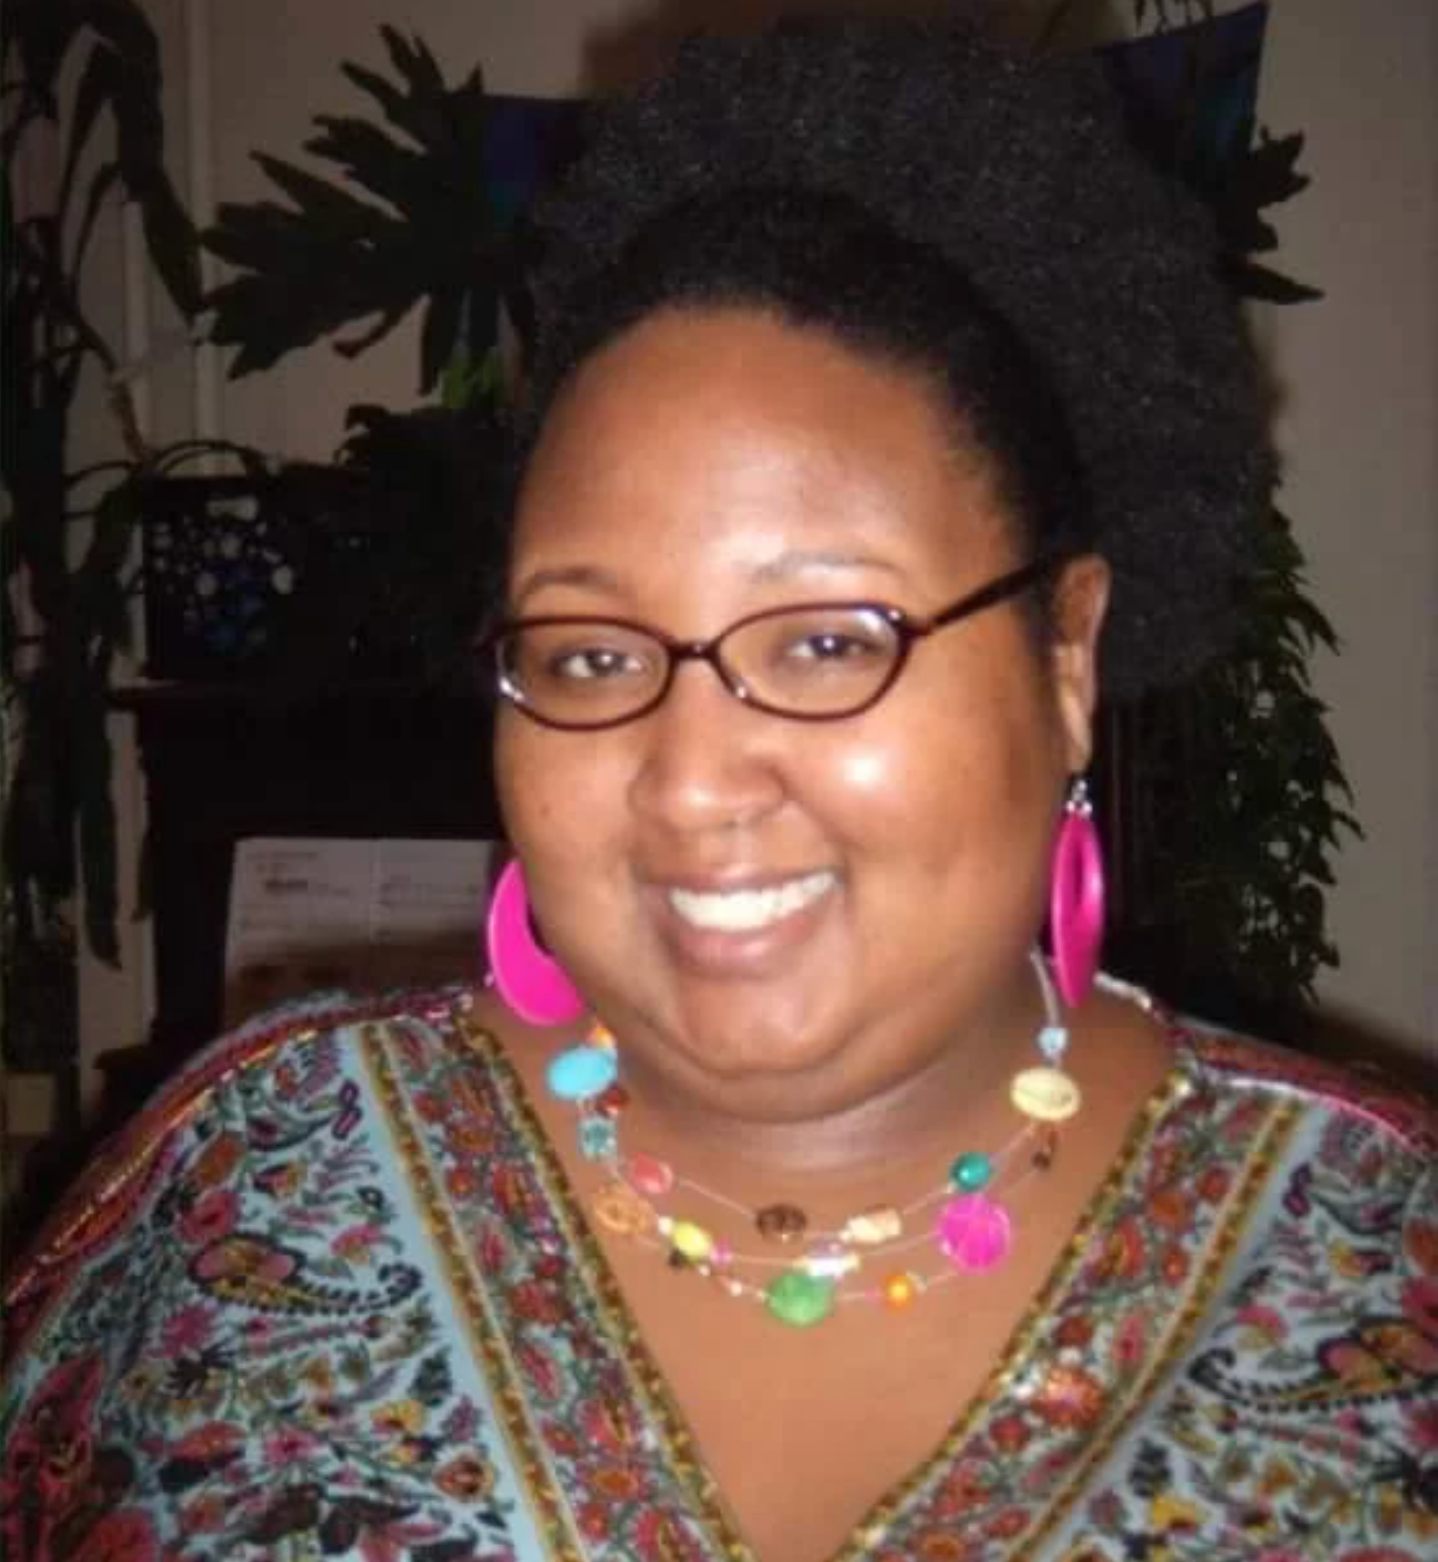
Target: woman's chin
x,y
747,1045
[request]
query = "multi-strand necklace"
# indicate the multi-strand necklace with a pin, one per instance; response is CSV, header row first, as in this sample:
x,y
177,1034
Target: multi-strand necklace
x,y
803,1271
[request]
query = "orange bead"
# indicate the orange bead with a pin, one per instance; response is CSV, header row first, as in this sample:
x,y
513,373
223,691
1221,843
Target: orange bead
x,y
900,1290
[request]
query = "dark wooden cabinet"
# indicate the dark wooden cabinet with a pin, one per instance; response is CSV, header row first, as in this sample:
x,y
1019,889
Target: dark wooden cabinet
x,y
224,762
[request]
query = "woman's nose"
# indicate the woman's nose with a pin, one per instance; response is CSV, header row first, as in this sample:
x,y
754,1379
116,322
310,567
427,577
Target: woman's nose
x,y
706,759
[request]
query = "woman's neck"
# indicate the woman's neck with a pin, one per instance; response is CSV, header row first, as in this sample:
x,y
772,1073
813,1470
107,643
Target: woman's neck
x,y
954,1098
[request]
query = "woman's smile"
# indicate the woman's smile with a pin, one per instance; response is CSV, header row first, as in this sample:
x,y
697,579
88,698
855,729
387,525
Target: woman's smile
x,y
749,910
755,929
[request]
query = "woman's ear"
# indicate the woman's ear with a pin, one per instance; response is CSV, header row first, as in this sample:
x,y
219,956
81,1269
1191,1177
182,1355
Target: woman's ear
x,y
1080,600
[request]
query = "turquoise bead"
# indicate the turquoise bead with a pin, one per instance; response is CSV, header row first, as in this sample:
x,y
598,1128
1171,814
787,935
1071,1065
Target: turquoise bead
x,y
1053,1042
798,1299
598,1138
582,1072
971,1172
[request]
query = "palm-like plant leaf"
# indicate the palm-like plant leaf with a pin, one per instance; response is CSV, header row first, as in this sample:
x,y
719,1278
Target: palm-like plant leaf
x,y
58,798
121,74
411,225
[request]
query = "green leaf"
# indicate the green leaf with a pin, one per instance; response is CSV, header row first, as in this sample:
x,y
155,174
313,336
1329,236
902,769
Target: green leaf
x,y
406,223
96,89
173,246
1250,280
439,335
101,608
95,817
101,184
320,202
388,170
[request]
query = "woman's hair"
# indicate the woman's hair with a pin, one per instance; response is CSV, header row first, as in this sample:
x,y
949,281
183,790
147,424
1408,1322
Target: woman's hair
x,y
973,216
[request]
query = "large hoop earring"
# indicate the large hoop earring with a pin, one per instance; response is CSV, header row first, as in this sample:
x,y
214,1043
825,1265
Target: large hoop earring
x,y
530,982
1076,898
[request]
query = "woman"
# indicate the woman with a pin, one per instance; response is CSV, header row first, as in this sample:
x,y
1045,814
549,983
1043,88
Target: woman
x,y
795,1206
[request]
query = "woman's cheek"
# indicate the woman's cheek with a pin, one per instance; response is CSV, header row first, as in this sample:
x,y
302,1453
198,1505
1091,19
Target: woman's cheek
x,y
866,772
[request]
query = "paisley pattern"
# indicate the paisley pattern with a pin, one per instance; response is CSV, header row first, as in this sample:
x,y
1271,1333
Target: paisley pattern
x,y
331,1296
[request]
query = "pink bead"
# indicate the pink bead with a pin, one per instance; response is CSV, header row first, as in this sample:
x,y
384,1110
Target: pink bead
x,y
648,1175
975,1232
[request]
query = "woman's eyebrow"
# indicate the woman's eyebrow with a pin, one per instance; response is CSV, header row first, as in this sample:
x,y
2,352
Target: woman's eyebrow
x,y
589,576
792,563
802,561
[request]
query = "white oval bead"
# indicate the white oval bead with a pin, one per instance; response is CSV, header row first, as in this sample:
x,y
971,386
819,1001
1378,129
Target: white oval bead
x,y
1047,1094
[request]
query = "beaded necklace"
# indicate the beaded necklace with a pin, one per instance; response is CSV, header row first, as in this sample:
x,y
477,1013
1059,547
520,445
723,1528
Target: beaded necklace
x,y
804,1272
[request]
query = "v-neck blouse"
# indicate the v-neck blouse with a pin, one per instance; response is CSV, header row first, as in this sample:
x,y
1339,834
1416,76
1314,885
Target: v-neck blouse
x,y
333,1295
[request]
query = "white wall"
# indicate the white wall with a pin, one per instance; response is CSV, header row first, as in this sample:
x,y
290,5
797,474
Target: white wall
x,y
1359,433
1360,372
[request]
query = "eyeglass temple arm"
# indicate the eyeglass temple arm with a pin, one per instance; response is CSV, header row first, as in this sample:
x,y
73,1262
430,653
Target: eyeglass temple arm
x,y
986,596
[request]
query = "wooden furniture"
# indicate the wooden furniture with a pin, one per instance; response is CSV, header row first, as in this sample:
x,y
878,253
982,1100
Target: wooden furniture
x,y
223,762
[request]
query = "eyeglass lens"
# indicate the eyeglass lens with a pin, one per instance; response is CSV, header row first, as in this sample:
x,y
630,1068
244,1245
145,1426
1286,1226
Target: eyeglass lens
x,y
813,661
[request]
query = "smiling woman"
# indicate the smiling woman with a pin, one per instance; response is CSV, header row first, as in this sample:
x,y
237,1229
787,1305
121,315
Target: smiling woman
x,y
707,467
787,1201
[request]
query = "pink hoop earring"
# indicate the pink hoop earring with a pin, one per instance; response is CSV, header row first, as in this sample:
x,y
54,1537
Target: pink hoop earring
x,y
530,982
1076,898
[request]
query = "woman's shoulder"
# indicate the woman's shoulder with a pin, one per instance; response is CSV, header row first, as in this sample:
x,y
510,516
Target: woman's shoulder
x,y
239,1321
288,1034
281,1074
1360,1095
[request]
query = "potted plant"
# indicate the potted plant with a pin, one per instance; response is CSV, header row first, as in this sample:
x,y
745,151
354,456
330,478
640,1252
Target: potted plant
x,y
68,532
428,215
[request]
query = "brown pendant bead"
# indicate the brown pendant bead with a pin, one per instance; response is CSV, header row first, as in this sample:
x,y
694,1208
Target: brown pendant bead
x,y
781,1222
611,1101
1046,1148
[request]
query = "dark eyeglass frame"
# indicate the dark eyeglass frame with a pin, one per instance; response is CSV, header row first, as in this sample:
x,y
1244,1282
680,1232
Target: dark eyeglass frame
x,y
907,627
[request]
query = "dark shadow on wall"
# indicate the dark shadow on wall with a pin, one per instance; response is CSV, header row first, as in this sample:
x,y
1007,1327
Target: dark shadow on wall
x,y
1367,1047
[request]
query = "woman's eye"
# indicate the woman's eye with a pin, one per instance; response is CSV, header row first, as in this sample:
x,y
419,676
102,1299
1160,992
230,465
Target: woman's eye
x,y
834,646
593,663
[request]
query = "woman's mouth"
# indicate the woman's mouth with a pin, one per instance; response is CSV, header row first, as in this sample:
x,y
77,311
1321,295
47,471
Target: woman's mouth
x,y
750,910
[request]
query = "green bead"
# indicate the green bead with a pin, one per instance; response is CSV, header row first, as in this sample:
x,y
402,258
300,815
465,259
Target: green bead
x,y
971,1172
799,1299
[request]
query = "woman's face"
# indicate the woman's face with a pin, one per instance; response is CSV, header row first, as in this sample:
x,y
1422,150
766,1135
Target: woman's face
x,y
780,915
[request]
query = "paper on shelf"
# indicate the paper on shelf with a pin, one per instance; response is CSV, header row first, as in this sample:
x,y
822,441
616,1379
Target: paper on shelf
x,y
309,913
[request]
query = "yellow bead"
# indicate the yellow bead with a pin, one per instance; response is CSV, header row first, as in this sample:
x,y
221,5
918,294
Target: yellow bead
x,y
601,1036
692,1241
900,1290
1046,1094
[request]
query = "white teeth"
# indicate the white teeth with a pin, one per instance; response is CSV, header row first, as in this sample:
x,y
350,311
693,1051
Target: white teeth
x,y
747,909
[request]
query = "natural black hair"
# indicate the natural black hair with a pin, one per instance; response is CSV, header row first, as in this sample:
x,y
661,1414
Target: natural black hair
x,y
945,205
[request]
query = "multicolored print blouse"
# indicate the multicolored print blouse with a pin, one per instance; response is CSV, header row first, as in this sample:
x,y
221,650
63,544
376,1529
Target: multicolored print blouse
x,y
332,1297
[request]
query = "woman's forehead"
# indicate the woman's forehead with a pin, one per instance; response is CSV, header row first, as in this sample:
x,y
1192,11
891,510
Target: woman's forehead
x,y
736,434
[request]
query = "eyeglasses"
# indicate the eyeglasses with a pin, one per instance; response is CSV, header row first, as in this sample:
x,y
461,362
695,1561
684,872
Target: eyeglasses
x,y
815,661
